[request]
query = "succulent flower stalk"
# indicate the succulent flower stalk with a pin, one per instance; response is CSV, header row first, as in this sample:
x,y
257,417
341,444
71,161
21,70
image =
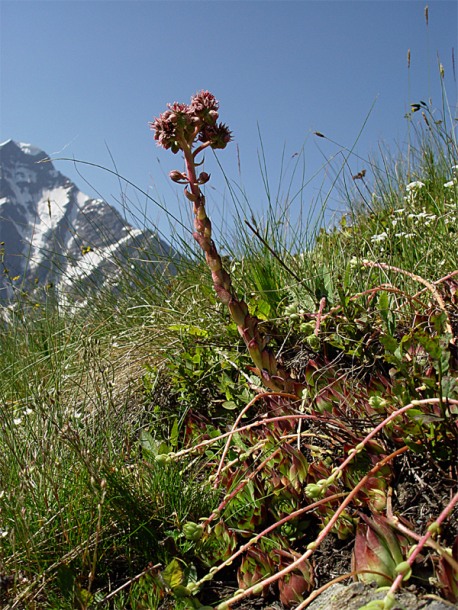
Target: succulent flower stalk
x,y
180,128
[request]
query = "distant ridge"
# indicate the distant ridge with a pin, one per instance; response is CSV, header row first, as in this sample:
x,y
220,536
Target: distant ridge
x,y
52,233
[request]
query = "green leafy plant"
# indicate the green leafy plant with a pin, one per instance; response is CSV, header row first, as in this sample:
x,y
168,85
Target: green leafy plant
x,y
365,357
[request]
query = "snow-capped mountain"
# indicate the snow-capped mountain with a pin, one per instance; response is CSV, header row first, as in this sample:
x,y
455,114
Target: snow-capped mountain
x,y
51,233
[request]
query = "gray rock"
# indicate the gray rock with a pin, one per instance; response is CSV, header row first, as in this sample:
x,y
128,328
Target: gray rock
x,y
352,597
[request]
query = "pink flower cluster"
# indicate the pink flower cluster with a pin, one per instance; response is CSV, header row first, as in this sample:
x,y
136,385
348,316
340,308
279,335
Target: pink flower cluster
x,y
181,124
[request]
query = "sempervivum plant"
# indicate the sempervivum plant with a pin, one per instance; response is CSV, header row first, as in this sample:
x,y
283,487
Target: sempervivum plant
x,y
378,550
376,385
192,128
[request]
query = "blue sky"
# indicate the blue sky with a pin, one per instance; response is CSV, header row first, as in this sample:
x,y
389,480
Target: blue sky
x,y
81,77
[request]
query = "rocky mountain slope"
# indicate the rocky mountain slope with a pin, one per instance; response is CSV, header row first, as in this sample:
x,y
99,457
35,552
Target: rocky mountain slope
x,y
52,233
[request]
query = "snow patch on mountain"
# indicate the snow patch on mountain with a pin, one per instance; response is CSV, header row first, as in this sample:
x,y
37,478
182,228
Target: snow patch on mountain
x,y
29,149
50,210
94,258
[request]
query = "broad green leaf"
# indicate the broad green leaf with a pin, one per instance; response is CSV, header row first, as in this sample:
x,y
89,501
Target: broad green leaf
x,y
174,434
173,574
151,445
147,441
383,301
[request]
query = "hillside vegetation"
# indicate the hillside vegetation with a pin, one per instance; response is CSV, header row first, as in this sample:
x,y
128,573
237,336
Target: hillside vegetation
x,y
285,421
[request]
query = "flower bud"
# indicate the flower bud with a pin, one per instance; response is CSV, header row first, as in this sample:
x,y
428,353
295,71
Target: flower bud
x,y
313,342
177,176
203,178
162,458
308,328
192,531
190,195
377,499
313,490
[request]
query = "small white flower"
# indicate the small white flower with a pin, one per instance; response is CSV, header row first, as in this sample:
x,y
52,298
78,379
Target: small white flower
x,y
17,421
409,235
394,222
3,533
429,219
454,168
354,262
414,186
28,411
77,414
405,235
450,184
379,237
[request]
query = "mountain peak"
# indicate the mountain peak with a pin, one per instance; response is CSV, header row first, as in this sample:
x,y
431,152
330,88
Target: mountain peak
x,y
47,226
24,147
